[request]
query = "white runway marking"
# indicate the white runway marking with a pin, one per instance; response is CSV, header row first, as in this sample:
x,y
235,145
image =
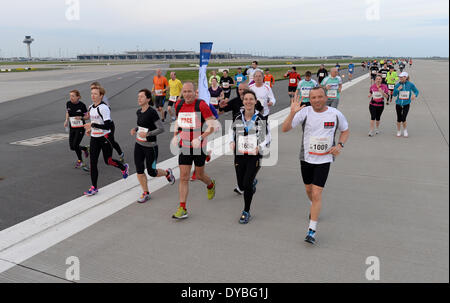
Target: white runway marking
x,y
38,141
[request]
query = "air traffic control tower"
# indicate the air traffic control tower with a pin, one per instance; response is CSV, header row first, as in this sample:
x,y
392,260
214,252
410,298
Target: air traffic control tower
x,y
28,40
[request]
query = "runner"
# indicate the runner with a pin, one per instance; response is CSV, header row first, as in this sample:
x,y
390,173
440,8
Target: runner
x,y
216,93
263,93
410,62
249,135
234,104
320,124
377,93
160,87
383,72
333,86
226,82
268,78
146,149
405,91
214,75
391,79
175,86
401,65
363,65
239,78
100,129
338,66
294,78
192,114
250,71
373,72
321,73
111,138
351,70
304,88
75,112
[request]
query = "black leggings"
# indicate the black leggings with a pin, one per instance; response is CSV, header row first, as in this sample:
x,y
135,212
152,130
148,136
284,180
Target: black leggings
x,y
102,144
146,157
75,137
375,112
247,166
402,112
114,143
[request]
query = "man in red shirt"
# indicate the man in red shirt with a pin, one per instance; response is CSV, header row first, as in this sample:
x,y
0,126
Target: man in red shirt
x,y
192,114
268,78
160,87
294,79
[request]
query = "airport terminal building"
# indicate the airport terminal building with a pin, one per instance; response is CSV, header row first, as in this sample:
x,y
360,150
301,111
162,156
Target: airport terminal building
x,y
158,55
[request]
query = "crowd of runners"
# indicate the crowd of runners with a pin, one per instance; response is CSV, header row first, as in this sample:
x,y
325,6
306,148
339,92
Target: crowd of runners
x,y
313,105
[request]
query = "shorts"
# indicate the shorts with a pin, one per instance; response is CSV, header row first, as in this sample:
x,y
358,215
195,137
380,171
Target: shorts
x,y
145,156
227,94
292,89
375,112
316,174
198,160
351,72
159,101
171,104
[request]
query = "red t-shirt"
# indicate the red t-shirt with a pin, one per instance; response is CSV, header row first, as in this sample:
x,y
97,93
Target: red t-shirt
x,y
294,78
190,122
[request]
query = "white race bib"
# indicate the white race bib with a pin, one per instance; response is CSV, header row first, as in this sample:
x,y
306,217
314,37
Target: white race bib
x,y
305,93
225,84
75,123
141,129
391,86
321,74
173,98
377,95
158,92
267,82
247,144
404,95
96,131
374,72
383,76
332,93
214,101
186,120
239,79
292,80
319,145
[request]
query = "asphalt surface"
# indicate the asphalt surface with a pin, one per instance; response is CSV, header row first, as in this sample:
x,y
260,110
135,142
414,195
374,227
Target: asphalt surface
x,y
385,197
37,179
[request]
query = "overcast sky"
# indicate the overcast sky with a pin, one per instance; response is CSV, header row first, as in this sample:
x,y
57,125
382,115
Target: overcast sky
x,y
267,27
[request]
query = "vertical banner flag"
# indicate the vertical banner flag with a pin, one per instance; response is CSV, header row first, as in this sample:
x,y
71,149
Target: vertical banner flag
x,y
205,54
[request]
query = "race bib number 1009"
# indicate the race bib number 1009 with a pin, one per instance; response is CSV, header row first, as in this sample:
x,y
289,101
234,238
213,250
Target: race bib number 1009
x,y
319,145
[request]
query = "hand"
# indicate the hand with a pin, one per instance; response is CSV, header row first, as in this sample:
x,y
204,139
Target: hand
x,y
133,131
255,152
296,107
400,87
196,143
174,141
232,146
270,104
328,86
413,97
142,134
88,132
370,96
380,90
335,150
87,126
66,123
222,104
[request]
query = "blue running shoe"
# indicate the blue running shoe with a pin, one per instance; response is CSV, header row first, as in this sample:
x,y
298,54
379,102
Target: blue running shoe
x,y
245,217
125,172
254,185
92,191
310,236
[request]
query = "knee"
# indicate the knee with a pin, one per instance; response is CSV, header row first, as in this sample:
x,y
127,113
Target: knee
x,y
152,172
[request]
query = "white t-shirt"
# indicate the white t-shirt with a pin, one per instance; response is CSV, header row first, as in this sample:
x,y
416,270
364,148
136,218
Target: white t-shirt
x,y
96,118
319,131
250,72
265,95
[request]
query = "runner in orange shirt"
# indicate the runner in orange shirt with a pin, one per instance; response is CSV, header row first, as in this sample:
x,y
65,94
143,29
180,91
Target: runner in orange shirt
x,y
268,78
160,87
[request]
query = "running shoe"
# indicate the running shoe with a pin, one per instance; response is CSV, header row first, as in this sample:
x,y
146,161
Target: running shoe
x,y
245,217
86,152
125,171
173,119
238,191
144,198
254,185
170,178
310,236
78,164
180,214
194,177
122,157
399,133
377,131
370,133
85,167
212,191
405,133
92,191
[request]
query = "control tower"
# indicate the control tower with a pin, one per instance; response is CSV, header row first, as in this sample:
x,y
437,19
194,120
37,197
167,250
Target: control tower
x,y
28,40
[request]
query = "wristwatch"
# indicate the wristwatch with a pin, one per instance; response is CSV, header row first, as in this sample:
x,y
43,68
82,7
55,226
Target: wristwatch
x,y
341,144
200,138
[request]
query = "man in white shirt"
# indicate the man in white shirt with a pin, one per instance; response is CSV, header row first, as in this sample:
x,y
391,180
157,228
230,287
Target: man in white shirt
x,y
320,124
263,92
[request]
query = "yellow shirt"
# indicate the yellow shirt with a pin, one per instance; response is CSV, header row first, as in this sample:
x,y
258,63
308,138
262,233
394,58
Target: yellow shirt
x,y
175,87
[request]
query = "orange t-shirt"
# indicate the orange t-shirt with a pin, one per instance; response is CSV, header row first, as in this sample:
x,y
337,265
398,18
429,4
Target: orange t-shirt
x,y
160,83
269,78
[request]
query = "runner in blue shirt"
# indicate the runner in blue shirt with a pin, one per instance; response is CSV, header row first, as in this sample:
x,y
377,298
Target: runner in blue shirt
x,y
239,78
351,70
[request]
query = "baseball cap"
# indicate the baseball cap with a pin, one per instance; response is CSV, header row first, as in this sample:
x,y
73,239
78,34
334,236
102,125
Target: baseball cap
x,y
403,74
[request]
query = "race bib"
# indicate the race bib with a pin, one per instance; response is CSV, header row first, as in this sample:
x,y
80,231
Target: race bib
x,y
141,129
377,95
305,93
321,75
383,76
96,131
374,72
332,93
292,80
158,92
247,144
214,101
404,95
173,98
267,82
239,79
186,120
391,86
225,84
319,145
75,123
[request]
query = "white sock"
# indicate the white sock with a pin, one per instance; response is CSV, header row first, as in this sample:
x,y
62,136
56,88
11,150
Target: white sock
x,y
313,225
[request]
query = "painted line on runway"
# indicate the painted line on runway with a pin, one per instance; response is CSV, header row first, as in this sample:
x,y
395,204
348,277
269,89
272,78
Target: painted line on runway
x,y
42,140
33,236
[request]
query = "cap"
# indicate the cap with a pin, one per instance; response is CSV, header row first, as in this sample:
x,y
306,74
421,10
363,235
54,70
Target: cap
x,y
403,74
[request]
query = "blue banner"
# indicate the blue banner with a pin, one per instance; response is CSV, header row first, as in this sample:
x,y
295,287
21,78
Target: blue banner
x,y
205,52
205,55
